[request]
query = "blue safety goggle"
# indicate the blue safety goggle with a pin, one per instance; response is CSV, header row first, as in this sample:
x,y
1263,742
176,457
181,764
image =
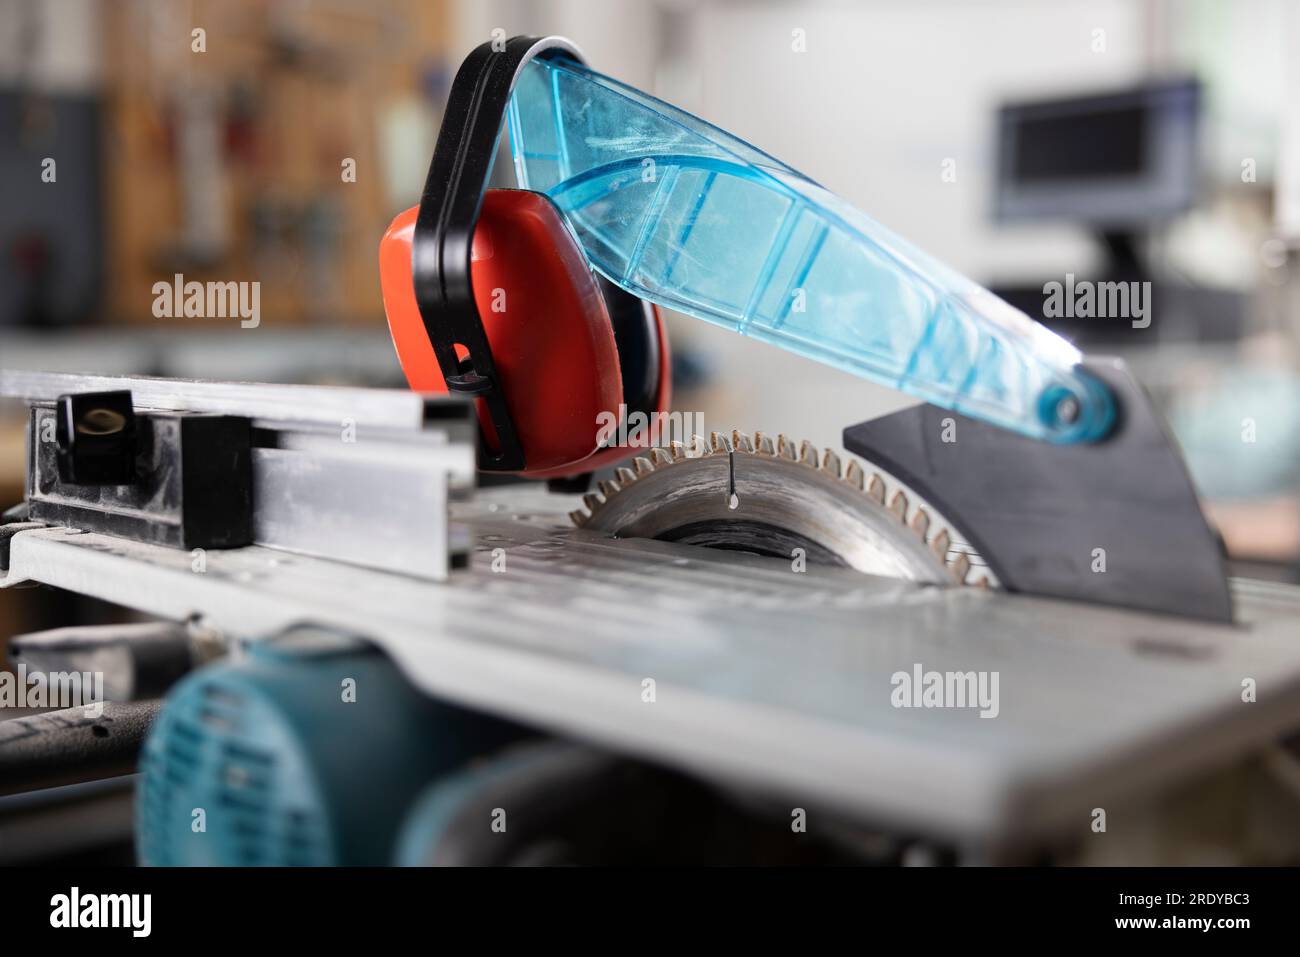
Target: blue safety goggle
x,y
681,213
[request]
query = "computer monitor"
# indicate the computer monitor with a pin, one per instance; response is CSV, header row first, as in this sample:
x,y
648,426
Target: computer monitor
x,y
1114,161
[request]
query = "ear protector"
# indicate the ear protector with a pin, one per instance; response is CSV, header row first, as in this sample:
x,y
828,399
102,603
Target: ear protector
x,y
488,295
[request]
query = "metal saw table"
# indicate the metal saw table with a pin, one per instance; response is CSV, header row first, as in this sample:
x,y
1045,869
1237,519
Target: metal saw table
x,y
764,676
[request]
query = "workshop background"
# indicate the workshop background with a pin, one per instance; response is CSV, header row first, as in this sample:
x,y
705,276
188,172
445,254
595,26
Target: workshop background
x,y
231,162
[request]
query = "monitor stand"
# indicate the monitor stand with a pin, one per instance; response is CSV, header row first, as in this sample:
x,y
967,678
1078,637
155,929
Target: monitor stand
x,y
1124,259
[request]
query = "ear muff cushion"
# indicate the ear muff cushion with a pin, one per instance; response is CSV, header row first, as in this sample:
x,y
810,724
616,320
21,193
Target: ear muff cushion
x,y
637,333
545,318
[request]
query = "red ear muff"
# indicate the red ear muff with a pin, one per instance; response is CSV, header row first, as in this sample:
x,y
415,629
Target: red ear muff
x,y
489,296
544,315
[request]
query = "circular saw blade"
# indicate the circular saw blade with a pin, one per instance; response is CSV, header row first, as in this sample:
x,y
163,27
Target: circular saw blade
x,y
772,497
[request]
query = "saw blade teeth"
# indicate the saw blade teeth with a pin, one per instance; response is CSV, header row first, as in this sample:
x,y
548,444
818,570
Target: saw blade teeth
x,y
831,463
876,488
898,505
916,522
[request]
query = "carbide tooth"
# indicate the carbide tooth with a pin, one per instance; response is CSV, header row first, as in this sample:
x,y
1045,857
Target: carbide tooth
x,y
593,501
625,477
941,543
876,488
608,487
921,523
718,443
854,475
807,453
960,568
661,457
763,444
898,505
677,450
579,517
696,447
785,448
740,442
643,465
831,463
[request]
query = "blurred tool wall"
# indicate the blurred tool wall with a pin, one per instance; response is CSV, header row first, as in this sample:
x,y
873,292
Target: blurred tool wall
x,y
241,140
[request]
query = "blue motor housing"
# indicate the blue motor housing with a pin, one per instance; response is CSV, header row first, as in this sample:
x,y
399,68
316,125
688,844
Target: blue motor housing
x,y
307,751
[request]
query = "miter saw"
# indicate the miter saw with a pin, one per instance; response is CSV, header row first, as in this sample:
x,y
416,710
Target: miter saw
x,y
733,607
